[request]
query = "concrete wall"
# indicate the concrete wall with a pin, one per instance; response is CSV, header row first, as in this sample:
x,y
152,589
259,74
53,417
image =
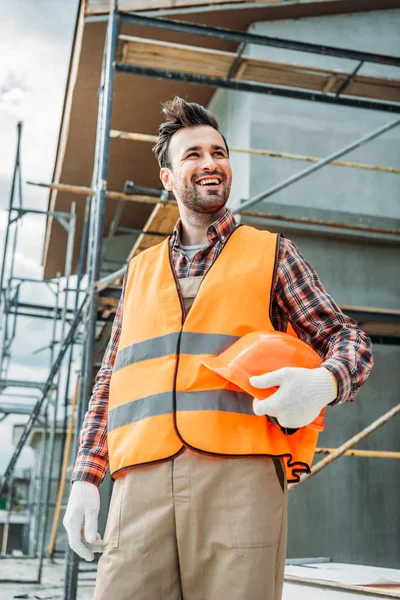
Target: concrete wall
x,y
234,110
349,511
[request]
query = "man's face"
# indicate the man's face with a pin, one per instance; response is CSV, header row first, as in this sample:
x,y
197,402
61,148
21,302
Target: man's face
x,y
200,176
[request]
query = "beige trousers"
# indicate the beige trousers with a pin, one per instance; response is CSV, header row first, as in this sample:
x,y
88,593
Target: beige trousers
x,y
196,528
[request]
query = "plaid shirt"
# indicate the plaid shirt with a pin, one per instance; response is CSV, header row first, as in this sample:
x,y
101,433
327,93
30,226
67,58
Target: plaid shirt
x,y
298,296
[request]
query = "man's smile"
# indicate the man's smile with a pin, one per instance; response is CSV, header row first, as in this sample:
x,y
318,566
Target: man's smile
x,y
209,181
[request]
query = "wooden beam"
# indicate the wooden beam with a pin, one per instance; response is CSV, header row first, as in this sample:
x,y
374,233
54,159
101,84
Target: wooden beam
x,y
361,453
257,10
82,190
85,191
162,219
152,139
95,7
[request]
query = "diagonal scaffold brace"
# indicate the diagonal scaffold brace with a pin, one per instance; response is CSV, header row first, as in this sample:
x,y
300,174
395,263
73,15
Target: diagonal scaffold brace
x,y
45,391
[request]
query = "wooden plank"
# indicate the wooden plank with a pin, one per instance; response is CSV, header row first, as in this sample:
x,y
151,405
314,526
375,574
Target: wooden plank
x,y
162,219
285,75
369,87
382,591
175,57
217,63
321,80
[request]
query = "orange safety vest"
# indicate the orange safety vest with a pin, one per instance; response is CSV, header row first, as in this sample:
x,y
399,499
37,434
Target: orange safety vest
x,y
162,398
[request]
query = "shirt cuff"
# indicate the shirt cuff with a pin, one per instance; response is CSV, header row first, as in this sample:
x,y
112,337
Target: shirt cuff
x,y
90,468
343,380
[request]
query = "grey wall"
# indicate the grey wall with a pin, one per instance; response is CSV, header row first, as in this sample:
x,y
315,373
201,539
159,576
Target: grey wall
x,y
350,511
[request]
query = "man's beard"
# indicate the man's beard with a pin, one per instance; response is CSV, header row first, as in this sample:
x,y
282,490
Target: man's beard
x,y
203,202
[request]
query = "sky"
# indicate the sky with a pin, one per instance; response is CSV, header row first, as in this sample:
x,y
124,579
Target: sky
x,y
35,45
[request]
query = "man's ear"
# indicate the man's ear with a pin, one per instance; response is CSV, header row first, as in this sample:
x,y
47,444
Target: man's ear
x,y
166,178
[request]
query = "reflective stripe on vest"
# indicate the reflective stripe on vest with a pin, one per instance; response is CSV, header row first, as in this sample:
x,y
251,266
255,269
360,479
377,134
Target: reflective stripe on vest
x,y
191,343
161,395
161,404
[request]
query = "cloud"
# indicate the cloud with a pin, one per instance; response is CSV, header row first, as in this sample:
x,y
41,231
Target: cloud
x,y
12,91
32,80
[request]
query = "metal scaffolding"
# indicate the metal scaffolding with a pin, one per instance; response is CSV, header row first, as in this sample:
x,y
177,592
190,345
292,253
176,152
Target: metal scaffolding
x,y
83,319
45,410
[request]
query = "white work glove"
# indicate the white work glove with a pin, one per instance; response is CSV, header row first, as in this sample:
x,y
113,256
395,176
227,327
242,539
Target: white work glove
x,y
80,519
301,396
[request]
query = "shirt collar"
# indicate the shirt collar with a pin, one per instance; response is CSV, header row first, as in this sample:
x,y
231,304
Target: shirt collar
x,y
221,229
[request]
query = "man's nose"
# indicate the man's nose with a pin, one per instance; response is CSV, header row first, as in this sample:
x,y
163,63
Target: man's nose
x,y
209,163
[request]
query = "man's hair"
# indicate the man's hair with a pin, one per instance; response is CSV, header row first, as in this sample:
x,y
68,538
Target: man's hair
x,y
180,114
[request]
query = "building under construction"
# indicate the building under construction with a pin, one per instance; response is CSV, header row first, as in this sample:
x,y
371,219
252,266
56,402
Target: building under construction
x,y
308,96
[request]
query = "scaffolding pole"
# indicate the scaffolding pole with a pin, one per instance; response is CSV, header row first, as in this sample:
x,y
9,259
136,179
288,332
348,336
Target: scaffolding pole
x,y
95,243
61,487
244,86
4,292
40,492
242,37
81,261
17,169
50,466
364,433
6,525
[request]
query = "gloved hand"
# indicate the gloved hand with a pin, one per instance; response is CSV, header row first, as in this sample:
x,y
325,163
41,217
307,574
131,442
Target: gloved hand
x,y
80,519
301,396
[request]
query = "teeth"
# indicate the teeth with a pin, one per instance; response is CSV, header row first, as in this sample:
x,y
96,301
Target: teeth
x,y
209,181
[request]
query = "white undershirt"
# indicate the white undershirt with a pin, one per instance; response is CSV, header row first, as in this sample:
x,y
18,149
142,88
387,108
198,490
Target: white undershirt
x,y
191,251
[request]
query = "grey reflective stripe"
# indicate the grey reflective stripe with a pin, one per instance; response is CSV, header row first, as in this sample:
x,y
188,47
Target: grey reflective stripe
x,y
165,345
161,404
205,343
151,406
223,400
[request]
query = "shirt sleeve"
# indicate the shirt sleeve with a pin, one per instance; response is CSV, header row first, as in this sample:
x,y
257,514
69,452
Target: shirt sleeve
x,y
92,460
299,298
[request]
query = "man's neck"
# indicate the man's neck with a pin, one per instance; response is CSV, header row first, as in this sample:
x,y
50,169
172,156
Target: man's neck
x,y
194,226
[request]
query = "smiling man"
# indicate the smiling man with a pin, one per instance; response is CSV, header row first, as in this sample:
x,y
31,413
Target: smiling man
x,y
198,510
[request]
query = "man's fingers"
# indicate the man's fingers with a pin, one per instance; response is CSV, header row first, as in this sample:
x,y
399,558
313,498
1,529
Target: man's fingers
x,y
91,526
269,406
267,380
78,545
83,551
97,546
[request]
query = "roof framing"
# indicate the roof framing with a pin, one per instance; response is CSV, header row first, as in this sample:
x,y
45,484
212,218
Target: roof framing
x,y
279,8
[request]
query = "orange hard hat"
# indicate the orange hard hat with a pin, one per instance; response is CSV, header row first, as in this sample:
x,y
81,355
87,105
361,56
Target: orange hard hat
x,y
261,352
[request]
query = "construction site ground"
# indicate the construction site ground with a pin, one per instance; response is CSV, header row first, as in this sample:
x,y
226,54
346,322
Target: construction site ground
x,y
18,576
